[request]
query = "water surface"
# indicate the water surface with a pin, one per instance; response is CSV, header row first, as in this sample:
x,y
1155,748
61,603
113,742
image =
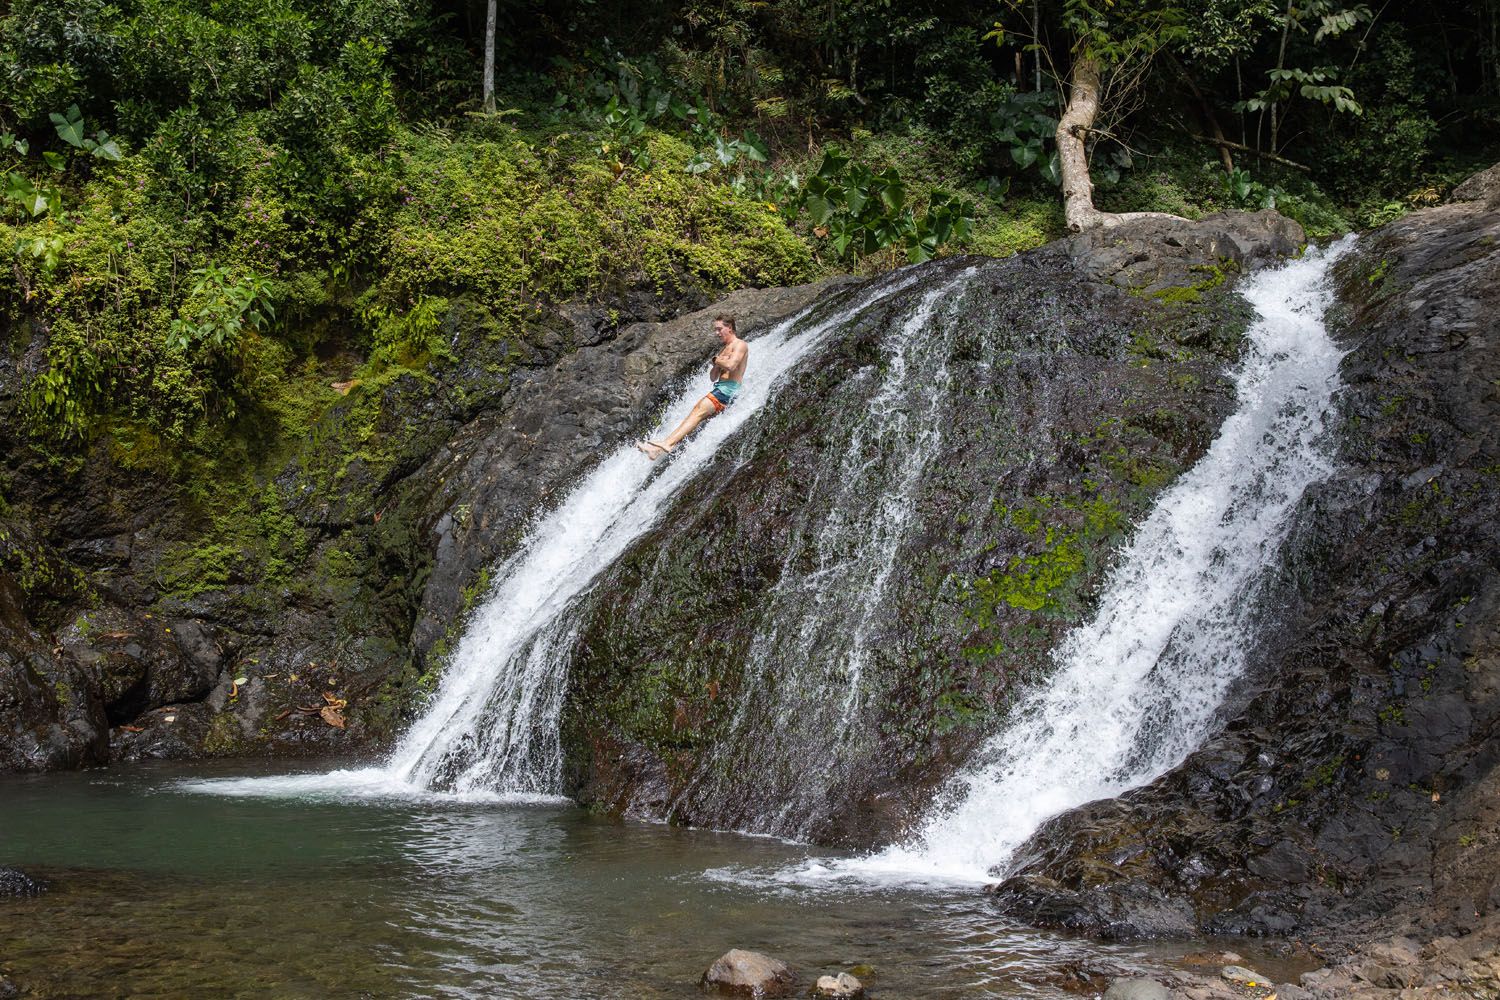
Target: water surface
x,y
162,891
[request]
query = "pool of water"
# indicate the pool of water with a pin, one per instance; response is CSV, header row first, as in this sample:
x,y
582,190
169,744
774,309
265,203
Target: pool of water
x,y
161,890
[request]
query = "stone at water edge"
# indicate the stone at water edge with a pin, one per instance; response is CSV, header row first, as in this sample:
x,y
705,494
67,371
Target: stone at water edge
x,y
1240,974
843,985
740,973
1137,989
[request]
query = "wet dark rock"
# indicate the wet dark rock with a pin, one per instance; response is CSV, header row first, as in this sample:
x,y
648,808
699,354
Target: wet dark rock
x,y
1129,911
1353,785
14,882
175,732
50,715
739,973
142,662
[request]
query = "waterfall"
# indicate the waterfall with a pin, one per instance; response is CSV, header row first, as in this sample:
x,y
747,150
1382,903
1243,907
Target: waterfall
x,y
491,729
1137,688
1133,691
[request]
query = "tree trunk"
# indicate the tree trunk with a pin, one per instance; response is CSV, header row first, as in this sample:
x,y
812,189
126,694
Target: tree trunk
x,y
1072,144
1072,151
489,59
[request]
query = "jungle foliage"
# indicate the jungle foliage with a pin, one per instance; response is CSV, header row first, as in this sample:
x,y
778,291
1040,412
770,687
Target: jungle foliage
x,y
210,211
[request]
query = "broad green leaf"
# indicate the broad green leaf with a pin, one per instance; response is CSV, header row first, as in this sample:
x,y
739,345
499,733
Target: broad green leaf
x,y
1052,169
56,161
833,164
756,148
855,198
893,196
69,127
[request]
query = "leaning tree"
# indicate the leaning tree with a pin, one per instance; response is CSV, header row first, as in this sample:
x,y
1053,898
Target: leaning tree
x,y
1113,45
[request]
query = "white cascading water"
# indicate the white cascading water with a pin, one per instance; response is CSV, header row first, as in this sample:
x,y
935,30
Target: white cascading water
x,y
491,729
1137,688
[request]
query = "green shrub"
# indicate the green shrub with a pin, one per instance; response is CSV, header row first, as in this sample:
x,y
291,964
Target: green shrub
x,y
492,218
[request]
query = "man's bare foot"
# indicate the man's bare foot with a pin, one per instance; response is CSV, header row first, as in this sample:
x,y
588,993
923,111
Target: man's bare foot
x,y
652,450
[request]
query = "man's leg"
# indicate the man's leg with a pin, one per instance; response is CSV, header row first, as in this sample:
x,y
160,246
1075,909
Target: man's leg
x,y
700,412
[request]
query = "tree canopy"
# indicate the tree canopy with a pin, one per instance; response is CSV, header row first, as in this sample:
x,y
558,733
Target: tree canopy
x,y
201,200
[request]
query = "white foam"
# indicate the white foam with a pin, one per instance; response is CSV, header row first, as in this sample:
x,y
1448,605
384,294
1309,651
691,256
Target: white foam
x,y
369,784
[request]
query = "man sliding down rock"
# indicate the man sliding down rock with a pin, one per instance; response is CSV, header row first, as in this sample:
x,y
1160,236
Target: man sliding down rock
x,y
725,371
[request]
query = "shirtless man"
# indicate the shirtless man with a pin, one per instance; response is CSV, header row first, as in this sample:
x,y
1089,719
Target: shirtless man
x,y
726,371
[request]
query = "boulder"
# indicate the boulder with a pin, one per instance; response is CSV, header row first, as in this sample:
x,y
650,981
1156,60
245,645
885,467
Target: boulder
x,y
1483,186
740,973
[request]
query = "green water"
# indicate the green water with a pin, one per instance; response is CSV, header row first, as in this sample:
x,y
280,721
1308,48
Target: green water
x,y
161,892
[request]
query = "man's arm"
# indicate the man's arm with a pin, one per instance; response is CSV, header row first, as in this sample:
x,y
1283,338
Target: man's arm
x,y
725,361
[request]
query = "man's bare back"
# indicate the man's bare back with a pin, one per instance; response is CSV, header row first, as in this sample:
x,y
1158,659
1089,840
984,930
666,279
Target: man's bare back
x,y
726,371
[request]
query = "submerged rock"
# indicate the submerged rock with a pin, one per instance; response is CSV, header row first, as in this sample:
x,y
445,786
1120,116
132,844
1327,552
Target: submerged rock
x,y
843,985
14,882
740,973
1137,989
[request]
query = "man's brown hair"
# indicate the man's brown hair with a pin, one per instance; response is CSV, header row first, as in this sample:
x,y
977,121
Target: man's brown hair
x,y
727,319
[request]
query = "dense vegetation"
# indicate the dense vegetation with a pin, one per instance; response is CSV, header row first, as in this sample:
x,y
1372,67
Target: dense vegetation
x,y
214,211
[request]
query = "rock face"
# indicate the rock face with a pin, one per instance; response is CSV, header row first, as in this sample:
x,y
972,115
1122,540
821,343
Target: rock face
x,y
128,611
739,973
837,612
1354,783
